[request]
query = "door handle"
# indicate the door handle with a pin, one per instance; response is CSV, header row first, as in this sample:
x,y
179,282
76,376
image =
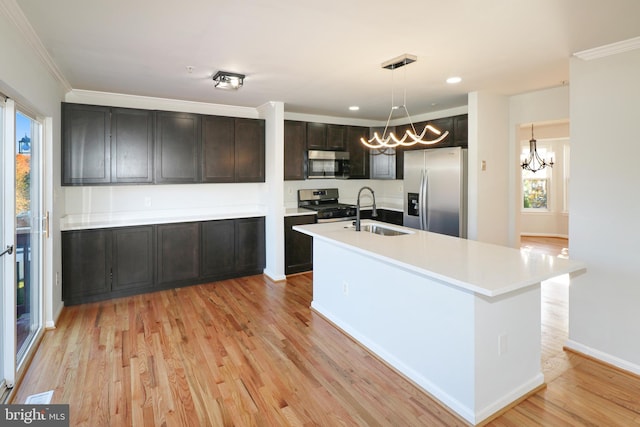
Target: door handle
x,y
9,250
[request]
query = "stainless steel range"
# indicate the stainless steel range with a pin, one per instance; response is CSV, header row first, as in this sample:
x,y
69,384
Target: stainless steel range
x,y
325,202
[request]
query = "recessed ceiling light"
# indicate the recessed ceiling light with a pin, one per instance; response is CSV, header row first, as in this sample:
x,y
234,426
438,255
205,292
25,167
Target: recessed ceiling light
x,y
354,108
454,80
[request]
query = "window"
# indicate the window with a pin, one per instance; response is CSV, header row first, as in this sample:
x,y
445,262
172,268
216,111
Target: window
x,y
536,185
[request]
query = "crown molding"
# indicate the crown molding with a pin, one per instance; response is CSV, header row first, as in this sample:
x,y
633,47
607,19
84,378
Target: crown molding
x,y
12,11
609,49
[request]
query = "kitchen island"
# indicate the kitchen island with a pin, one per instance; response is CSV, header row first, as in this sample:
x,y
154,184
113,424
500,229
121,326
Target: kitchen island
x,y
459,318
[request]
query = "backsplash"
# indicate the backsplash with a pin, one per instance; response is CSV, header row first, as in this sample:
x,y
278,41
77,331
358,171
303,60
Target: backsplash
x,y
388,192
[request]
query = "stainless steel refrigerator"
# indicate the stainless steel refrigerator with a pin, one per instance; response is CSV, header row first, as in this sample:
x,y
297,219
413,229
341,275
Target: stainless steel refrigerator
x,y
435,190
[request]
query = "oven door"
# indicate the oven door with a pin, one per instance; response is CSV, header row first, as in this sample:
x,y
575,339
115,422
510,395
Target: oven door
x,y
328,164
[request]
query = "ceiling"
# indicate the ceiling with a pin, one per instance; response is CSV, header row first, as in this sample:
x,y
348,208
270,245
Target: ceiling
x,y
320,57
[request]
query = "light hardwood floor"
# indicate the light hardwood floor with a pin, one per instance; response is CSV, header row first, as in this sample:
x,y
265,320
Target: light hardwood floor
x,y
250,352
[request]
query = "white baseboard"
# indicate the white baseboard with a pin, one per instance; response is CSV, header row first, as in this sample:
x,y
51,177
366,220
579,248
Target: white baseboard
x,y
274,276
51,324
604,357
526,234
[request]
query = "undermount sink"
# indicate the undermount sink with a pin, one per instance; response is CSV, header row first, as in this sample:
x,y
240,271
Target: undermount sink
x,y
383,231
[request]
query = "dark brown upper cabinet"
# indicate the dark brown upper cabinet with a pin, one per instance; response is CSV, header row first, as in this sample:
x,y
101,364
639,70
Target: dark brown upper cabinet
x,y
86,144
233,149
104,145
461,130
295,150
336,137
358,153
218,149
177,148
249,150
131,145
316,136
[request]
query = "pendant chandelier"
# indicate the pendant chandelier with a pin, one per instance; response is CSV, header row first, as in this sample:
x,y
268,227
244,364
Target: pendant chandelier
x,y
411,136
533,162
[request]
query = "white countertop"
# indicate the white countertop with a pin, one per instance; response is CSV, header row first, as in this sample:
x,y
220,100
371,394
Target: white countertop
x,y
483,268
126,219
302,211
298,212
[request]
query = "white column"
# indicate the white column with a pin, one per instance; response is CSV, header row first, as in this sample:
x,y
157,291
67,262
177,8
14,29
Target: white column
x,y
273,113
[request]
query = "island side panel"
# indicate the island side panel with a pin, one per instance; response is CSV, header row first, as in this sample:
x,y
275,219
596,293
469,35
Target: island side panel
x,y
422,327
508,349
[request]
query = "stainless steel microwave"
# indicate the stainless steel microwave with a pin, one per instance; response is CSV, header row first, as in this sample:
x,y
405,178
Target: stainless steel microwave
x,y
328,164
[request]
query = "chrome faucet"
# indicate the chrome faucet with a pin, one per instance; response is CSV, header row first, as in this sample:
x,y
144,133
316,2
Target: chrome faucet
x,y
374,212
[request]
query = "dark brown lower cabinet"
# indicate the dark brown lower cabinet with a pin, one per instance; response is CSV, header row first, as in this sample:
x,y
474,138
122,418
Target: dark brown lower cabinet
x,y
384,215
250,246
218,248
298,247
133,258
178,252
114,262
86,265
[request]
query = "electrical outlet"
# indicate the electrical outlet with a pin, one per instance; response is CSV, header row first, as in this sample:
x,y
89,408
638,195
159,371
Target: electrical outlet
x,y
502,345
147,202
57,279
345,288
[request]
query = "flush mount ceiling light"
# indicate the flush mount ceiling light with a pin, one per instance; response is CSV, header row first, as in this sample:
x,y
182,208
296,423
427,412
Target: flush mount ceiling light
x,y
410,137
533,162
226,80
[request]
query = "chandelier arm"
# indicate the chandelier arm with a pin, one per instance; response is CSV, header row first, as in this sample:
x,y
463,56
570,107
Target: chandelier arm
x,y
378,145
433,141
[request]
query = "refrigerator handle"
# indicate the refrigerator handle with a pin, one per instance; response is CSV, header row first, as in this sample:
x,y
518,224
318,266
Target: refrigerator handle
x,y
424,205
420,202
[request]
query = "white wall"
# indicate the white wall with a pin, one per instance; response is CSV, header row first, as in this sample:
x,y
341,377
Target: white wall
x,y
488,189
604,315
24,77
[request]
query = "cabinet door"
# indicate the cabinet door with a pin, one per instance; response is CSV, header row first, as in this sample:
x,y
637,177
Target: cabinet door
x,y
444,124
131,145
295,150
133,258
218,149
86,264
177,147
86,150
358,153
316,136
392,217
249,150
461,131
250,245
218,248
336,138
298,247
178,252
383,164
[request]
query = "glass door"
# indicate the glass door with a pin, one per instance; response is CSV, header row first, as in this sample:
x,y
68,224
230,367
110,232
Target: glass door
x,y
20,238
27,233
7,260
